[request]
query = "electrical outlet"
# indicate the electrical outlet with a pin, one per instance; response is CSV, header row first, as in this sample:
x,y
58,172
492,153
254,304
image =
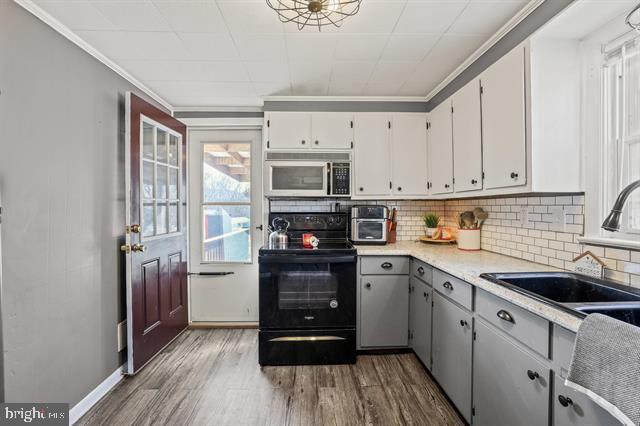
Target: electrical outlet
x,y
122,335
558,219
523,219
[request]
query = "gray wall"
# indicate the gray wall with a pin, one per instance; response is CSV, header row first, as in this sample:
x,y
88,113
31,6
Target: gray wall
x,y
62,185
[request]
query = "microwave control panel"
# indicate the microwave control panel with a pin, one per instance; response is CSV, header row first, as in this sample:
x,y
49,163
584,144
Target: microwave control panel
x,y
341,182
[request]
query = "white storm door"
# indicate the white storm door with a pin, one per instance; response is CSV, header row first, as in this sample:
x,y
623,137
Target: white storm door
x,y
225,216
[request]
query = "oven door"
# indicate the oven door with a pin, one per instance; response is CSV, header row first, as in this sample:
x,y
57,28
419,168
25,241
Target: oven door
x,y
296,178
307,291
369,230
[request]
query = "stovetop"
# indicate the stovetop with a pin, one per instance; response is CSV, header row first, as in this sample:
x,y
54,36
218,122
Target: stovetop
x,y
326,247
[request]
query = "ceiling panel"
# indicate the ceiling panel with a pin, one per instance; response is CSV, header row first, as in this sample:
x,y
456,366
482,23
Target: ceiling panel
x,y
233,52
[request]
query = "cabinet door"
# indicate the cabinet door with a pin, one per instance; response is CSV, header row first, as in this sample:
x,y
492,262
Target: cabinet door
x,y
503,122
384,310
420,309
571,408
409,154
441,149
332,130
467,138
451,352
506,388
371,155
289,130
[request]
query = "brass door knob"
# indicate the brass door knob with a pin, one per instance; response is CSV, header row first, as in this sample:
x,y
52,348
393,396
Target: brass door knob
x,y
138,247
125,248
135,229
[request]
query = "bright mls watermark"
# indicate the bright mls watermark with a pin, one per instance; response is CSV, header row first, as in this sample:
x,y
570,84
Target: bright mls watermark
x,y
44,414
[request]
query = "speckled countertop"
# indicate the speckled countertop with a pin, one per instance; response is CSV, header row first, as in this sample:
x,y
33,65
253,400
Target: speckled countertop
x,y
468,266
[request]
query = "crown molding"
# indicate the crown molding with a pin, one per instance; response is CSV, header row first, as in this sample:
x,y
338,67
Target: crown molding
x,y
218,109
63,30
345,98
504,30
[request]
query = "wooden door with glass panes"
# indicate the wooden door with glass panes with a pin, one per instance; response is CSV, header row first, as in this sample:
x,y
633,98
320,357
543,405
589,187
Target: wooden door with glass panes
x,y
156,234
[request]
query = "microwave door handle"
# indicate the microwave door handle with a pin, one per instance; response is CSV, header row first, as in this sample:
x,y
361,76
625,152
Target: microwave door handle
x,y
328,170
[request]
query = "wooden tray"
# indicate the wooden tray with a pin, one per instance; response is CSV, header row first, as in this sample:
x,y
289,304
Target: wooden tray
x,y
425,239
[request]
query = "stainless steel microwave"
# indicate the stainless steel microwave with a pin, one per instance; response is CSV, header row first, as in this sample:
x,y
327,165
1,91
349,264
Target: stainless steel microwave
x,y
307,174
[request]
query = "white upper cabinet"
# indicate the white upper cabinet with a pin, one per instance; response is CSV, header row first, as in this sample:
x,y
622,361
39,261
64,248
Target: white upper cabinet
x,y
440,156
332,130
467,138
310,130
504,139
409,154
371,155
289,130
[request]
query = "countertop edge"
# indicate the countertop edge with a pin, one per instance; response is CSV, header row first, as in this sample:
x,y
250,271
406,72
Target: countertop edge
x,y
544,310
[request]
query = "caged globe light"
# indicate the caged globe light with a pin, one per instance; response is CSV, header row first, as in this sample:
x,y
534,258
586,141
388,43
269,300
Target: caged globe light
x,y
314,13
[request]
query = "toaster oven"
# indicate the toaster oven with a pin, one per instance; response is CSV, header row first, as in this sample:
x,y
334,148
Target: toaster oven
x,y
369,224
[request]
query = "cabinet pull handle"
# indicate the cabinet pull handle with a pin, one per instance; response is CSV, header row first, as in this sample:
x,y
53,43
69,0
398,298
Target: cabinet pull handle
x,y
386,265
304,142
473,181
514,175
317,142
447,285
565,401
425,294
506,316
421,270
399,188
446,185
532,374
367,285
463,323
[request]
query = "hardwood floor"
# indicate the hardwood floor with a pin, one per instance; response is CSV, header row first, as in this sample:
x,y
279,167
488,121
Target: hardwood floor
x,y
212,377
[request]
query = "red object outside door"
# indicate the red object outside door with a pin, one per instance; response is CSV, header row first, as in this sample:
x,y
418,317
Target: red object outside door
x,y
156,234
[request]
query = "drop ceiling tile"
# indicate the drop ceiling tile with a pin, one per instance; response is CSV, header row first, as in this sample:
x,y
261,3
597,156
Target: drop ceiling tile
x,y
209,46
302,72
268,71
219,71
402,47
133,16
383,88
270,47
230,89
77,15
433,17
373,18
247,17
485,17
310,88
360,47
346,87
122,45
310,47
272,89
392,71
417,86
192,17
352,70
447,55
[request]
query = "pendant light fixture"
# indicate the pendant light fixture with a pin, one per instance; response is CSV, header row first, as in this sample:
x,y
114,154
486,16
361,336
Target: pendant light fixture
x,y
314,13
633,18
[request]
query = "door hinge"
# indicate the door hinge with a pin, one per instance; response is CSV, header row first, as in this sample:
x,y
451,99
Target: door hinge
x,y
453,180
483,175
390,185
0,214
475,335
409,335
351,124
268,123
481,89
452,110
473,411
389,124
351,144
267,144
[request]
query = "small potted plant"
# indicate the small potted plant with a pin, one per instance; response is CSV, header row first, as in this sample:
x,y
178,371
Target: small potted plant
x,y
431,222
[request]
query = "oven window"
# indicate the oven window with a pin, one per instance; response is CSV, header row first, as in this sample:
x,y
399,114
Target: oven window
x,y
370,230
307,289
297,177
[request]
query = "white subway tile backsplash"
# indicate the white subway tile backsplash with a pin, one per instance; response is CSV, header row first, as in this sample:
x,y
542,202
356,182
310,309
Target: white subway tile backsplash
x,y
617,254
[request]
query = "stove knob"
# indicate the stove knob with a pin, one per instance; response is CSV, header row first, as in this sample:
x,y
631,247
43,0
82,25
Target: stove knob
x,y
333,304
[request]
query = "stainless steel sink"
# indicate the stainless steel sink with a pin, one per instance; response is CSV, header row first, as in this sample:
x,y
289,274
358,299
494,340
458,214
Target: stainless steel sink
x,y
577,294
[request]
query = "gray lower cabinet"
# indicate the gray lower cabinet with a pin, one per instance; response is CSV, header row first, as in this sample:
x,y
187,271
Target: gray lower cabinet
x,y
510,387
420,326
451,352
571,408
384,310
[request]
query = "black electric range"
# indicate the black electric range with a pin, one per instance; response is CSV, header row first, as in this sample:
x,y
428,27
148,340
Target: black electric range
x,y
308,295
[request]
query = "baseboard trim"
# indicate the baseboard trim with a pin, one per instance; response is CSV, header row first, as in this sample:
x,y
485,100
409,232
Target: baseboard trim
x,y
81,408
216,324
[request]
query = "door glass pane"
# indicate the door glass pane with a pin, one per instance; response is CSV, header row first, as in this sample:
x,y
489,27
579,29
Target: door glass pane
x,y
161,189
173,184
297,177
307,289
161,218
147,220
226,172
633,205
147,180
162,146
226,233
173,150
147,141
173,217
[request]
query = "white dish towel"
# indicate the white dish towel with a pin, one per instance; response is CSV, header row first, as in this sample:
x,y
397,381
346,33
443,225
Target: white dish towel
x,y
606,366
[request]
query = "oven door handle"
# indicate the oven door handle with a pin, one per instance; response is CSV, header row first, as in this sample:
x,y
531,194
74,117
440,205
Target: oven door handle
x,y
307,259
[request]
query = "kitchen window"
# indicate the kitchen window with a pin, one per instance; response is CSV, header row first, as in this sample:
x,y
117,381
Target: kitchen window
x,y
621,133
226,202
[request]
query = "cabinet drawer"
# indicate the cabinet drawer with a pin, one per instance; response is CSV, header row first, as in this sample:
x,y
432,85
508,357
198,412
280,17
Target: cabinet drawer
x,y
384,265
422,271
526,327
455,289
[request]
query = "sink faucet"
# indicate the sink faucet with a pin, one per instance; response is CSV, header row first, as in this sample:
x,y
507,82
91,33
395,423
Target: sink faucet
x,y
612,222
